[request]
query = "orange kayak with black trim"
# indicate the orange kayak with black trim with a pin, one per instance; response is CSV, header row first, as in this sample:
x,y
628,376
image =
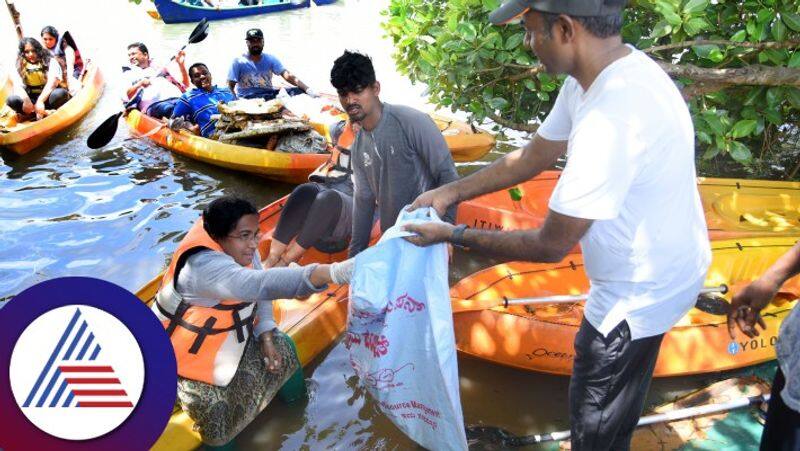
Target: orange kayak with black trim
x,y
733,207
465,145
23,137
540,338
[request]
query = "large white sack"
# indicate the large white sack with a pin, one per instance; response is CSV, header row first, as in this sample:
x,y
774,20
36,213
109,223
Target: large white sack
x,y
400,336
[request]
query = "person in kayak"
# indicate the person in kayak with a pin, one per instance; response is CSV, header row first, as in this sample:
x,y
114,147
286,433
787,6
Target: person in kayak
x,y
782,428
252,72
66,53
398,154
627,193
43,85
199,104
318,213
215,303
156,90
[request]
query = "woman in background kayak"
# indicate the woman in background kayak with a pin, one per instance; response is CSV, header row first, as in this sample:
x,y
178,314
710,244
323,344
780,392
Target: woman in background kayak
x,y
66,53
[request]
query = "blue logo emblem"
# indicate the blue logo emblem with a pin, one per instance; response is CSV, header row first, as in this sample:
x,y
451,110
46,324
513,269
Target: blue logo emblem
x,y
733,348
82,379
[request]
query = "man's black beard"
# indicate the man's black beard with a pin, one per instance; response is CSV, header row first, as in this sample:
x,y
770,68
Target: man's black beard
x,y
255,52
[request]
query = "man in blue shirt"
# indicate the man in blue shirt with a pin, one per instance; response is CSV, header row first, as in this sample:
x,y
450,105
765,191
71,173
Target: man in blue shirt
x,y
253,71
200,103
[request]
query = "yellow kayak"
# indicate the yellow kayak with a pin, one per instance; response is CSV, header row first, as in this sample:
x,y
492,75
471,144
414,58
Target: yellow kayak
x,y
733,207
26,136
540,337
5,89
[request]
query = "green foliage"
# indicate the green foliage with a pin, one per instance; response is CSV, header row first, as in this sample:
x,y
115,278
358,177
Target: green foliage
x,y
471,65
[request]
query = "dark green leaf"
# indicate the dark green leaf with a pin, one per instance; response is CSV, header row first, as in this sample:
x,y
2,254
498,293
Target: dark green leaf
x,y
530,84
740,152
774,96
661,29
743,128
773,116
703,51
695,6
490,5
792,20
793,95
752,29
710,153
753,95
714,122
514,41
739,36
703,137
766,15
696,25
777,57
467,31
794,61
779,30
498,103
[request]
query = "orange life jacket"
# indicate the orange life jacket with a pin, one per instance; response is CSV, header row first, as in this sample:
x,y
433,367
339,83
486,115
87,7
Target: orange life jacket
x,y
208,341
338,167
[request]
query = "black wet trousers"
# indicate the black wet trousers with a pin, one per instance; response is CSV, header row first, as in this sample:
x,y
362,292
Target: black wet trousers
x,y
311,213
610,379
782,429
58,97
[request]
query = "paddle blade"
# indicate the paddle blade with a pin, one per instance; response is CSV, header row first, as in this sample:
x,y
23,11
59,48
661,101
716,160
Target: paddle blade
x,y
200,32
104,133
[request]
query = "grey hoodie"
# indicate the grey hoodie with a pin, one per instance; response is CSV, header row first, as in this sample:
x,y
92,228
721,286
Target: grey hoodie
x,y
404,156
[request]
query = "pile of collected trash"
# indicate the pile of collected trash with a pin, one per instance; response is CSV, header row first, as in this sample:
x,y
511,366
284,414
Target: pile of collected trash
x,y
266,125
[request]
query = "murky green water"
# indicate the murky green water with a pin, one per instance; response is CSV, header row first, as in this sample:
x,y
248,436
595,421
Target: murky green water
x,y
118,213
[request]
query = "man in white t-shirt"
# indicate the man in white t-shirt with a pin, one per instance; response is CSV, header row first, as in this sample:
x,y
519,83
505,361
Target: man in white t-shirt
x,y
627,193
156,89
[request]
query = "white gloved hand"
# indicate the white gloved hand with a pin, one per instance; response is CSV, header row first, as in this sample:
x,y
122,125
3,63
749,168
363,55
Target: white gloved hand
x,y
342,272
312,93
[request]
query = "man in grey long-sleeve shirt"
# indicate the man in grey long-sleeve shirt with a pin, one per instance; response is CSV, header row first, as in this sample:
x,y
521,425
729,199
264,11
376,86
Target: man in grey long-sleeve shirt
x,y
398,154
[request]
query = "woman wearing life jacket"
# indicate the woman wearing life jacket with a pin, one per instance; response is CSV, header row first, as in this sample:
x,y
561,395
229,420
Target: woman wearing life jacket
x,y
318,213
40,76
215,303
66,53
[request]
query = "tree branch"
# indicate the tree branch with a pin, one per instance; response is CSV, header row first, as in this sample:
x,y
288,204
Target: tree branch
x,y
752,45
755,74
531,128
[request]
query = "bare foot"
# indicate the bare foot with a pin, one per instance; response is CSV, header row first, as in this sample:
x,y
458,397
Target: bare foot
x,y
276,249
293,253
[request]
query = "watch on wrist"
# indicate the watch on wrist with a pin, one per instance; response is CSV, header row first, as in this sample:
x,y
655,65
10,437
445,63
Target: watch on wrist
x,y
457,236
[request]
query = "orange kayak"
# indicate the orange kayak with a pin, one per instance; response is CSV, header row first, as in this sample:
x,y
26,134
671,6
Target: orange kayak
x,y
465,145
540,338
314,323
733,207
26,136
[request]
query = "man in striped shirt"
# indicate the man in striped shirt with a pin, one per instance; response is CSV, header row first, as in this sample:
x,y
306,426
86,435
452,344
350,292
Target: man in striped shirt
x,y
199,104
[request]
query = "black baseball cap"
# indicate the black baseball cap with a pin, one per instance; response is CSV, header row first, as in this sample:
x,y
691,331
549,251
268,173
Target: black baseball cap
x,y
254,33
515,8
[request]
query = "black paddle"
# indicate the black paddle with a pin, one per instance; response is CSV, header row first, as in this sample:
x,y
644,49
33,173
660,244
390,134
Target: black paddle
x,y
106,131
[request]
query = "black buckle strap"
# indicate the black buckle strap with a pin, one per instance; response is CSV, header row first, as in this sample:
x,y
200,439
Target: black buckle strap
x,y
239,325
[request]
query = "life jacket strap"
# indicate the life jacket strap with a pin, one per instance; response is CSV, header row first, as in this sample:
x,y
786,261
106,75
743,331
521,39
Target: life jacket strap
x,y
239,325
